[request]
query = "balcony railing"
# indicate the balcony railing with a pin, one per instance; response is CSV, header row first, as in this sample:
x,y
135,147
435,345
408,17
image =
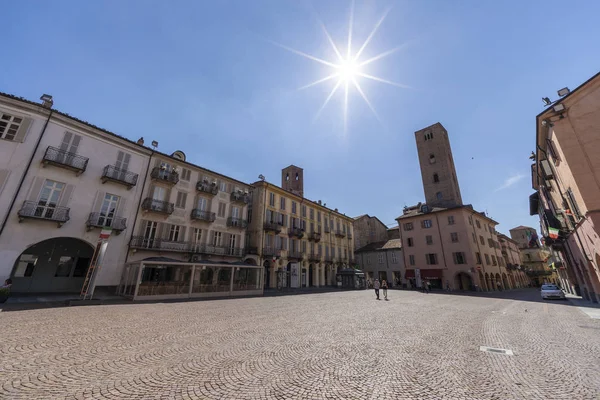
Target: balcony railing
x,y
158,206
271,251
297,232
272,226
329,258
241,198
208,188
252,250
314,257
98,220
295,254
237,223
33,210
64,159
326,228
349,235
203,248
340,233
114,174
314,236
164,175
141,242
201,215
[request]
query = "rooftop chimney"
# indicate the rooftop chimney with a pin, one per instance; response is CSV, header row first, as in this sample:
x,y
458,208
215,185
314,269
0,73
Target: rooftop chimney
x,y
319,202
141,141
47,101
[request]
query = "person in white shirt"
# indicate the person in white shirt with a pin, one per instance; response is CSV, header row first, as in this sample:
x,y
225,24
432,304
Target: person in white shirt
x,y
376,287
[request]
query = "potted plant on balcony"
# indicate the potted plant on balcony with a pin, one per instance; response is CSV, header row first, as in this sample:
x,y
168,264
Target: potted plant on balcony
x,y
5,290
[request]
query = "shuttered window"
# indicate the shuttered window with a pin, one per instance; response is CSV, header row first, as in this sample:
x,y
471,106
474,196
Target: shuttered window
x,y
181,200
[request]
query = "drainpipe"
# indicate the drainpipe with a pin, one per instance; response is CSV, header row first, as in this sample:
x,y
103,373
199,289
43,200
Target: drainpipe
x,y
14,199
139,205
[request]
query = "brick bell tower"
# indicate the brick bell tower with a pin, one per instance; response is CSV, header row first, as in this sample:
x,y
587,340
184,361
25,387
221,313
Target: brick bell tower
x,y
292,180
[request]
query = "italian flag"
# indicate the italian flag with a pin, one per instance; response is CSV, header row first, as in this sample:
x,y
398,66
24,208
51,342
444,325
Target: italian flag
x,y
553,232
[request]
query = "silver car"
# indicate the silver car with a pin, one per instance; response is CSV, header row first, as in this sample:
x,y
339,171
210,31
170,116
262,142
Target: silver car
x,y
552,292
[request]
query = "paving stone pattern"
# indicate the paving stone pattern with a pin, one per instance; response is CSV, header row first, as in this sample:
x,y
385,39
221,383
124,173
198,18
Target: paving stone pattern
x,y
342,345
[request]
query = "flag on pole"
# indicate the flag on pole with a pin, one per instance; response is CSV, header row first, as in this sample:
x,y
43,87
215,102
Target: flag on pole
x,y
553,233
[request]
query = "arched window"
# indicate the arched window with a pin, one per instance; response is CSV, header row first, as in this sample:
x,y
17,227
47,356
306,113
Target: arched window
x,y
431,158
436,178
438,195
287,177
297,177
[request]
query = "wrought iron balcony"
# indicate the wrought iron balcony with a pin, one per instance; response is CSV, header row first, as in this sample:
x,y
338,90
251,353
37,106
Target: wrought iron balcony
x,y
158,206
208,188
252,250
271,251
349,235
203,248
295,254
272,226
156,244
200,215
98,220
64,159
33,210
237,223
329,258
340,233
326,228
241,198
114,174
314,257
297,232
314,236
164,175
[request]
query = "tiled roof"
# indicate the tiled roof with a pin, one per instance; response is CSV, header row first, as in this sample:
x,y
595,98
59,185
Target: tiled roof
x,y
393,244
521,227
393,228
384,245
360,216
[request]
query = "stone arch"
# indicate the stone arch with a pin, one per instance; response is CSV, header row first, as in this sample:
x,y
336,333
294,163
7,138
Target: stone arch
x,y
57,265
498,279
463,281
489,282
436,178
250,261
482,282
505,282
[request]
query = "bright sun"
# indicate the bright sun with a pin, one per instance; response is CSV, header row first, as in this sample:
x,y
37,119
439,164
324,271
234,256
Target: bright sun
x,y
348,68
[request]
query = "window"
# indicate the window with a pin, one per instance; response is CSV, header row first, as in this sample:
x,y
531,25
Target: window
x,y
487,259
312,214
552,151
304,211
478,224
411,259
326,251
122,163
478,257
424,209
202,204
235,212
293,207
482,240
223,186
438,195
70,142
108,209
318,216
575,208
470,220
217,238
408,226
232,242
304,246
431,158
9,125
486,227
409,242
185,174
428,136
429,239
451,220
459,258
493,260
222,207
282,203
426,223
181,200
431,258
197,236
454,237
174,233
491,243
474,238
312,227
436,178
380,258
48,199
150,232
394,258
272,199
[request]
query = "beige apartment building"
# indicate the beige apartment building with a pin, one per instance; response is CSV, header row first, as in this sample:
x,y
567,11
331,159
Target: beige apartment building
x,y
299,242
513,261
566,178
536,259
367,230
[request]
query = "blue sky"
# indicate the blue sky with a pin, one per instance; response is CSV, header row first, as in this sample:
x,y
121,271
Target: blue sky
x,y
204,77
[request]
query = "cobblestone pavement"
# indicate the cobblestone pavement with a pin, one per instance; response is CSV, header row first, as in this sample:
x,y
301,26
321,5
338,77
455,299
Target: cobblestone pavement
x,y
341,345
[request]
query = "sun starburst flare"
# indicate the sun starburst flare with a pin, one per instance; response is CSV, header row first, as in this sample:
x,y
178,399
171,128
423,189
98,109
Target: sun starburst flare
x,y
348,68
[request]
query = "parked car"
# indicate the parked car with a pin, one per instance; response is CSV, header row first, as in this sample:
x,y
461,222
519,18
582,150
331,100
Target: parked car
x,y
552,292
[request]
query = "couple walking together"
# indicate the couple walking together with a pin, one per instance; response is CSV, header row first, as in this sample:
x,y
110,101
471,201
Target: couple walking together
x,y
383,286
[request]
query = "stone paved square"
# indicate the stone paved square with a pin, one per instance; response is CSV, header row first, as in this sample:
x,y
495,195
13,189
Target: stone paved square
x,y
339,345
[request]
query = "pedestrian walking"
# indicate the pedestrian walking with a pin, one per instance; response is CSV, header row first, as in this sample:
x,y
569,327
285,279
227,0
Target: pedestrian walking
x,y
384,286
447,286
376,287
428,285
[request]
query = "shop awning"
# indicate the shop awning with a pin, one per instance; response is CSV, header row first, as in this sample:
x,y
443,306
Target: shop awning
x,y
425,274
